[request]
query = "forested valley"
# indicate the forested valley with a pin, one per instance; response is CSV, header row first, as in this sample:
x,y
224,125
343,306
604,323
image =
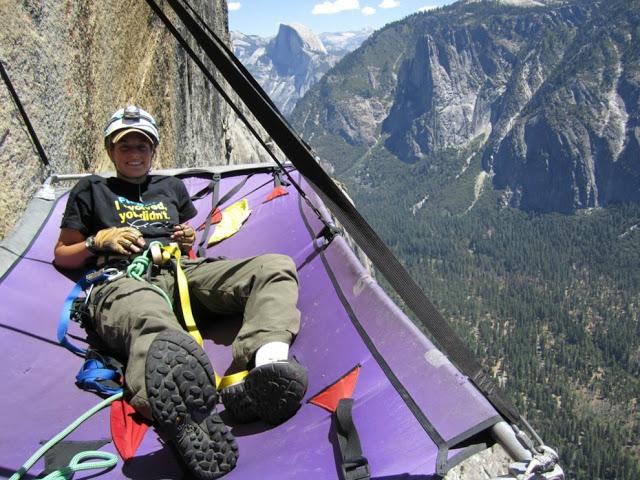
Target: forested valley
x,y
548,302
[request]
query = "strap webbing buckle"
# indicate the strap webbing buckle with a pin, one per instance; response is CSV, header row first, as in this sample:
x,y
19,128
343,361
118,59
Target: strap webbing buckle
x,y
354,465
356,469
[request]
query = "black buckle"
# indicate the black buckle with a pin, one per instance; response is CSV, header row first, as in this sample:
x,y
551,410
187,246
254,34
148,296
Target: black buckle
x,y
79,312
356,469
329,232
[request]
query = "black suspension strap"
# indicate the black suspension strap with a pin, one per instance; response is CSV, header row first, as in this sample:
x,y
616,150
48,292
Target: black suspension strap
x,y
215,197
25,117
216,201
178,36
353,464
381,256
233,58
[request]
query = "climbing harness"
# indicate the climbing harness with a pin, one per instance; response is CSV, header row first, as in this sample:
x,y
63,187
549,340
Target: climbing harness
x,y
76,308
162,255
78,462
101,373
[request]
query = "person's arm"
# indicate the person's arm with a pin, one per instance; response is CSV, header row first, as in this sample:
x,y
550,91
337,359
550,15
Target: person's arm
x,y
70,250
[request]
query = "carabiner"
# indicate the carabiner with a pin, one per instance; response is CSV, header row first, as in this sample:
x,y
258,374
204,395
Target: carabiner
x,y
111,274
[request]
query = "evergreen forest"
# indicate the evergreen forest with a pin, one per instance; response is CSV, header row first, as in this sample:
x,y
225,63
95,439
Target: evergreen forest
x,y
548,302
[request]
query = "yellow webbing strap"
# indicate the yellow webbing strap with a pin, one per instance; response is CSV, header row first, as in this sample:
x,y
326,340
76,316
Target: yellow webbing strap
x,y
232,379
164,256
183,289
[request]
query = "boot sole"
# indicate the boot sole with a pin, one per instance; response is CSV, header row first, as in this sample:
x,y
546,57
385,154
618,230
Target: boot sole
x,y
237,403
276,390
183,399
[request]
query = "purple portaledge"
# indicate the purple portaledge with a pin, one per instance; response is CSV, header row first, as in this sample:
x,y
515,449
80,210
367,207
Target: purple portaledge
x,y
416,414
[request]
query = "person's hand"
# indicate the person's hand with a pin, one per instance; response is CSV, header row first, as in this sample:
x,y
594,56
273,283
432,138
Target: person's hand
x,y
184,235
123,240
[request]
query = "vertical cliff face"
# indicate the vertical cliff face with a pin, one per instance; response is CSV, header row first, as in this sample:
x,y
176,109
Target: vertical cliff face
x,y
575,145
545,91
445,91
74,62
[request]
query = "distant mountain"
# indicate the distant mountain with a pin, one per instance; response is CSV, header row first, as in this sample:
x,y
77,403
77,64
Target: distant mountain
x,y
341,43
438,124
547,91
287,65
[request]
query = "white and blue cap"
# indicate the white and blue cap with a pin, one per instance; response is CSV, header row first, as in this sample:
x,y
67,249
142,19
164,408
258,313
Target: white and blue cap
x,y
130,119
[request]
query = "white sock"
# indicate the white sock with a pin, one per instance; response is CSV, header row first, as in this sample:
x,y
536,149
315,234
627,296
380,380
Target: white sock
x,y
272,352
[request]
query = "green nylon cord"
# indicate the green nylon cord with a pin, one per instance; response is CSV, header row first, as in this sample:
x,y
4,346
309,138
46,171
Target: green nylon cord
x,y
76,463
109,460
139,266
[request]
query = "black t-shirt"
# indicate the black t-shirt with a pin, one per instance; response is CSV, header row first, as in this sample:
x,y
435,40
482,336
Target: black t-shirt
x,y
152,207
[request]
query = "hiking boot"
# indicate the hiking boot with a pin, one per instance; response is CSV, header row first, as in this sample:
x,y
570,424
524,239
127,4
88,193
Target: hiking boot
x,y
276,389
182,396
237,403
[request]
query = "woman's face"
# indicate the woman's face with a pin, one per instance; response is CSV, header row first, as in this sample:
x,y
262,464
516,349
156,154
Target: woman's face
x,y
132,157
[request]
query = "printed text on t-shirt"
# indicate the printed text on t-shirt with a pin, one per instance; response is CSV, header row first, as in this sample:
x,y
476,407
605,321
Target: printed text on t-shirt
x,y
129,210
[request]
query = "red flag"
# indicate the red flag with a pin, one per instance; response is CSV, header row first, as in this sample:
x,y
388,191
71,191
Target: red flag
x,y
127,428
343,388
216,217
276,192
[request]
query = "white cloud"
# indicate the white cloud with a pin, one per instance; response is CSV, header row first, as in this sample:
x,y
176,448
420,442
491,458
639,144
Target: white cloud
x,y
366,11
389,4
234,6
328,8
427,8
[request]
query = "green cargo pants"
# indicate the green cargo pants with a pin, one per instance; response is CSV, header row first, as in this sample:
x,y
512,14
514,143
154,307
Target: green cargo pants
x,y
127,314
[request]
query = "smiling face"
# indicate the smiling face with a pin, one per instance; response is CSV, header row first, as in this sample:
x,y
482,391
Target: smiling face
x,y
132,157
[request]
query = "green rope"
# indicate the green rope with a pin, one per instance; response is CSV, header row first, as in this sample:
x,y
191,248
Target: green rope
x,y
136,270
109,460
76,464
139,266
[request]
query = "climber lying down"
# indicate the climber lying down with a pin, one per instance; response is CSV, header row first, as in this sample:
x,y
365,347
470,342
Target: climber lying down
x,y
168,377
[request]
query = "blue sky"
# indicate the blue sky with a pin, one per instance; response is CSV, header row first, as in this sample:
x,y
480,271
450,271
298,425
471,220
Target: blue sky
x,y
262,17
